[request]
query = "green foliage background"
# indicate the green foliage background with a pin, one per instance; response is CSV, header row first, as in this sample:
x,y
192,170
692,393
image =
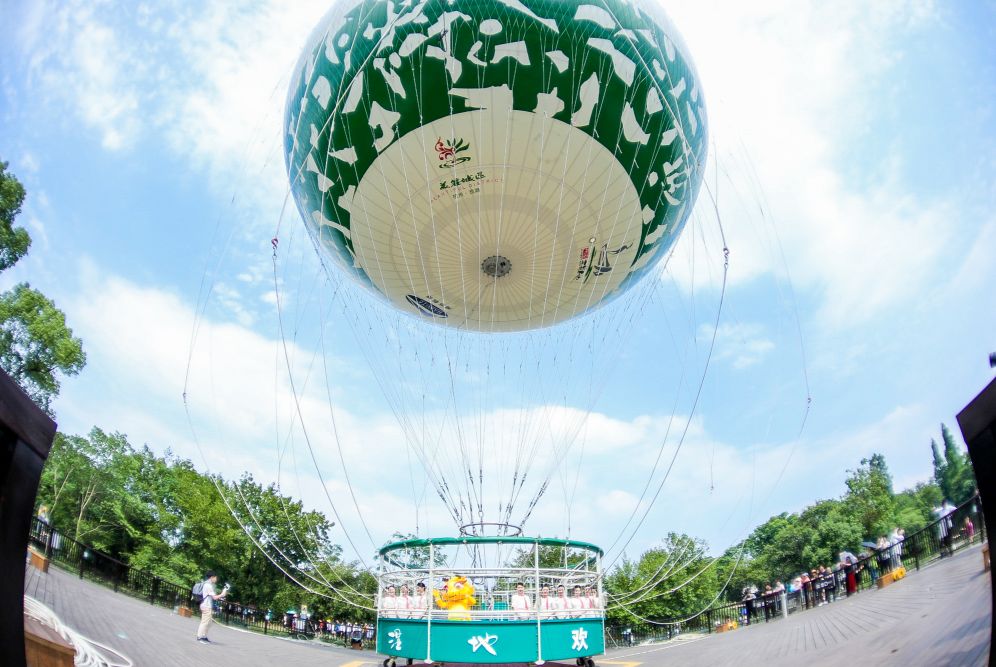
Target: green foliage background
x,y
160,514
36,345
788,543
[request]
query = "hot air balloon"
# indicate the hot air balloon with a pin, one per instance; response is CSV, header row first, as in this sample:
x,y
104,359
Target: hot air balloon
x,y
495,165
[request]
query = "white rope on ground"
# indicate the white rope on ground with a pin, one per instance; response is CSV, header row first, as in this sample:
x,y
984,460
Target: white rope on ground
x,y
89,653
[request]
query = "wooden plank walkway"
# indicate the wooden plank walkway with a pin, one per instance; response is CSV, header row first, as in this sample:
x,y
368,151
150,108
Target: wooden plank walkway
x,y
938,616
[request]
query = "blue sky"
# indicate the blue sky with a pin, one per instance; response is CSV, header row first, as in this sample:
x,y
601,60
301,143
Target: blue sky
x,y
147,136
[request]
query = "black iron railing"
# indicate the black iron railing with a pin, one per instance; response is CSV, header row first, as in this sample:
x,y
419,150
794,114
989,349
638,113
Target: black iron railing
x,y
913,552
95,565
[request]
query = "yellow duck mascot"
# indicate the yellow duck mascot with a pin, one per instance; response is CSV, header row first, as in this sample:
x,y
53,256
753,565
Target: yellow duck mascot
x,y
457,596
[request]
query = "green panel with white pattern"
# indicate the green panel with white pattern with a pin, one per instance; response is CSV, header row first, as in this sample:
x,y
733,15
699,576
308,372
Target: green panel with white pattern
x,y
485,642
377,71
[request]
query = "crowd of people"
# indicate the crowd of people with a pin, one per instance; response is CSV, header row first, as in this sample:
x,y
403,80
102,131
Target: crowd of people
x,y
580,603
824,584
341,630
517,604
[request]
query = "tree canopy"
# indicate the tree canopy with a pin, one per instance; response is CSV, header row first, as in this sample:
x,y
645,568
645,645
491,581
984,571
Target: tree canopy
x,y
160,514
953,471
787,543
36,344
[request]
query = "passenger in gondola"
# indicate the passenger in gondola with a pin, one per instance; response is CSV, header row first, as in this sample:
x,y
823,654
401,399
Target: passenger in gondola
x,y
593,600
522,604
576,603
545,604
561,604
389,603
587,602
404,602
420,601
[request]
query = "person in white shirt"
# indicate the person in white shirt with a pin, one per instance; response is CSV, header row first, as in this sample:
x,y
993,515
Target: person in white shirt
x,y
576,603
404,603
388,604
208,596
545,604
419,601
594,602
945,525
897,550
521,603
560,603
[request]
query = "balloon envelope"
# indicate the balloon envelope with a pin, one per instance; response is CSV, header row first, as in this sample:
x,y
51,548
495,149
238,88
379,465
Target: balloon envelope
x,y
495,165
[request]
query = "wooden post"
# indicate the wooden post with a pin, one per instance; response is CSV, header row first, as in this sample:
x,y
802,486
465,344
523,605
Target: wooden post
x,y
26,434
978,426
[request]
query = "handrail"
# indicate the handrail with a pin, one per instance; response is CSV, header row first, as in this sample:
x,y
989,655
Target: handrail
x,y
918,548
478,539
97,565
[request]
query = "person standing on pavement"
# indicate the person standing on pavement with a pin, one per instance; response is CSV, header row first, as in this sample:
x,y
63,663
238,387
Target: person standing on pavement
x,y
208,596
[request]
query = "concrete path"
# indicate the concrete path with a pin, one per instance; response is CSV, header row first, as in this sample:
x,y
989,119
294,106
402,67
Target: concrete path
x,y
938,616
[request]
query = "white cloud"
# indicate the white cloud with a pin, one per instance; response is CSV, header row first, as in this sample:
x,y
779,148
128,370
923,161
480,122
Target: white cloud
x,y
790,96
742,344
245,418
789,93
211,79
790,90
29,163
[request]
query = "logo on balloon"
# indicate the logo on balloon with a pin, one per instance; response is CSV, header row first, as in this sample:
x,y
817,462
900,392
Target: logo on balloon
x,y
449,152
590,265
425,307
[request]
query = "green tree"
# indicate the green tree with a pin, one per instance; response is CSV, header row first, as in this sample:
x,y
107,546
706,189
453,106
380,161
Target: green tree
x,y
940,466
953,470
914,507
81,483
14,241
870,497
36,345
161,515
676,580
836,526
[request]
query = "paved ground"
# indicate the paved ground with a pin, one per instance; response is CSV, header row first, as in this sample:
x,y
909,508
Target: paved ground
x,y
152,636
938,616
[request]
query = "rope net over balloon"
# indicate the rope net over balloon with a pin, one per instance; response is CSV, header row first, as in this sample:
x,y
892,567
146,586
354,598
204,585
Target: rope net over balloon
x,y
500,239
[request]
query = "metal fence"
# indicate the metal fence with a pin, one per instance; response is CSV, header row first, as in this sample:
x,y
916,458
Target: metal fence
x,y
95,565
916,550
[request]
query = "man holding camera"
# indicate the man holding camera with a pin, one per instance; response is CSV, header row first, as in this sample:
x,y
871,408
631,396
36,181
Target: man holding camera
x,y
208,596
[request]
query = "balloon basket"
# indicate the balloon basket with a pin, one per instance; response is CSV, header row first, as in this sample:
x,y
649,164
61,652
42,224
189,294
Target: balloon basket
x,y
490,600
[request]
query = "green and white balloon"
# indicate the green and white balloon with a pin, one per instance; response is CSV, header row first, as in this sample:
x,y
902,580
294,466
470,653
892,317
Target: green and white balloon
x,y
495,165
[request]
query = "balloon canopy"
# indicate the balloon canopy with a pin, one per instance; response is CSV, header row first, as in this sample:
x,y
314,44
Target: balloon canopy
x,y
495,165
